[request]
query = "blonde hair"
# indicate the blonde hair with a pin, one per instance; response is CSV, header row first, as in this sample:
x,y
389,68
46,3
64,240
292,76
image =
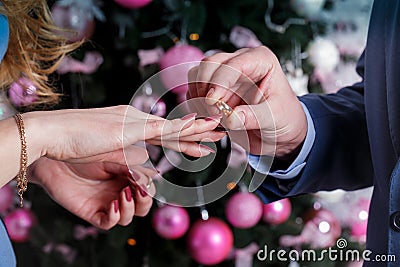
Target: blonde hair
x,y
34,50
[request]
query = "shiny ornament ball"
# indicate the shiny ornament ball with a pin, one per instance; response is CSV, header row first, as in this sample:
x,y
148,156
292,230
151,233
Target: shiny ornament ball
x,y
18,224
80,24
175,65
22,92
277,212
210,242
359,220
133,3
244,210
171,222
323,54
6,197
310,9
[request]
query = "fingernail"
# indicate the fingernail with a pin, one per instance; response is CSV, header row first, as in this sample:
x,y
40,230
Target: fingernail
x,y
116,206
216,117
128,194
207,149
210,92
189,117
143,191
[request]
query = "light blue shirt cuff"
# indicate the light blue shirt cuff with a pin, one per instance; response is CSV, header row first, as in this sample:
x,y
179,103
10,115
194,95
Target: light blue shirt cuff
x,y
262,164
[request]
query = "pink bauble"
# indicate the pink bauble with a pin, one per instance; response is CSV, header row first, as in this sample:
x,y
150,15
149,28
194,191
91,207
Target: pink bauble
x,y
244,210
22,92
359,221
171,222
6,197
81,24
176,78
18,224
133,3
277,212
210,242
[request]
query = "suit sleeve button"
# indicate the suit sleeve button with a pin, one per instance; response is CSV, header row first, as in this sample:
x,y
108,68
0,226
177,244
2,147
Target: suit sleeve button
x,y
395,221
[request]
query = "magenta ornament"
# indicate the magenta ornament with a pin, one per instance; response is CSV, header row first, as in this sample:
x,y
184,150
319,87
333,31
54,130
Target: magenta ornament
x,y
174,74
171,222
244,210
80,22
359,220
22,92
6,197
210,242
133,3
18,224
277,212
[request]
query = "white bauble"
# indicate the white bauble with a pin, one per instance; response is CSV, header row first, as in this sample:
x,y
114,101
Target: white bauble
x,y
310,9
323,54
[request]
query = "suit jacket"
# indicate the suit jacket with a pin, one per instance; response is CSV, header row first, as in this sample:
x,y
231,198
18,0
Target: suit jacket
x,y
357,141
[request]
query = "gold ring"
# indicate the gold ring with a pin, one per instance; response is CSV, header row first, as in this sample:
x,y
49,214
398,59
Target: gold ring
x,y
222,106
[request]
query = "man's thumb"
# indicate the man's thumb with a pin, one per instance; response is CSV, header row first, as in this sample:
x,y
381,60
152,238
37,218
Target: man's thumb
x,y
251,117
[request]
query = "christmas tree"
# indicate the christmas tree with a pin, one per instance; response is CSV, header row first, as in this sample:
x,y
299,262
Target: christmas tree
x,y
317,42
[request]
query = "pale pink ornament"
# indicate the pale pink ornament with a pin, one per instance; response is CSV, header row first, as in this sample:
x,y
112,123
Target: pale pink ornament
x,y
210,241
171,222
81,232
321,230
343,75
80,22
244,210
133,3
277,212
22,92
18,224
150,104
148,57
175,65
6,197
91,62
244,256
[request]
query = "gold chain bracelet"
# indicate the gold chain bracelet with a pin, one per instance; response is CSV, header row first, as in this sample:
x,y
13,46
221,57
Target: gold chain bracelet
x,y
22,180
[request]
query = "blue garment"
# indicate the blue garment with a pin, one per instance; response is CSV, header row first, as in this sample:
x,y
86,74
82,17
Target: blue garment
x,y
4,35
357,141
7,257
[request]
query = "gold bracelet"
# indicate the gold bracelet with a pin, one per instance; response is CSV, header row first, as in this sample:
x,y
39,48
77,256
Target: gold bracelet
x,y
22,180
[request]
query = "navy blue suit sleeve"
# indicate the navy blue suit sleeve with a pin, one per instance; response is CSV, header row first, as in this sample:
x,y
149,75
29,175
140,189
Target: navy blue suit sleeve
x,y
340,156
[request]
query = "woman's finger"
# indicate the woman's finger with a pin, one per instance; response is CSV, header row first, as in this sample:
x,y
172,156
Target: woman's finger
x,y
127,206
107,219
189,148
143,201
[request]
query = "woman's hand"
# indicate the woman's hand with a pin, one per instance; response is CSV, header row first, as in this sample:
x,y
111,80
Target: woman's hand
x,y
85,154
100,135
102,193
